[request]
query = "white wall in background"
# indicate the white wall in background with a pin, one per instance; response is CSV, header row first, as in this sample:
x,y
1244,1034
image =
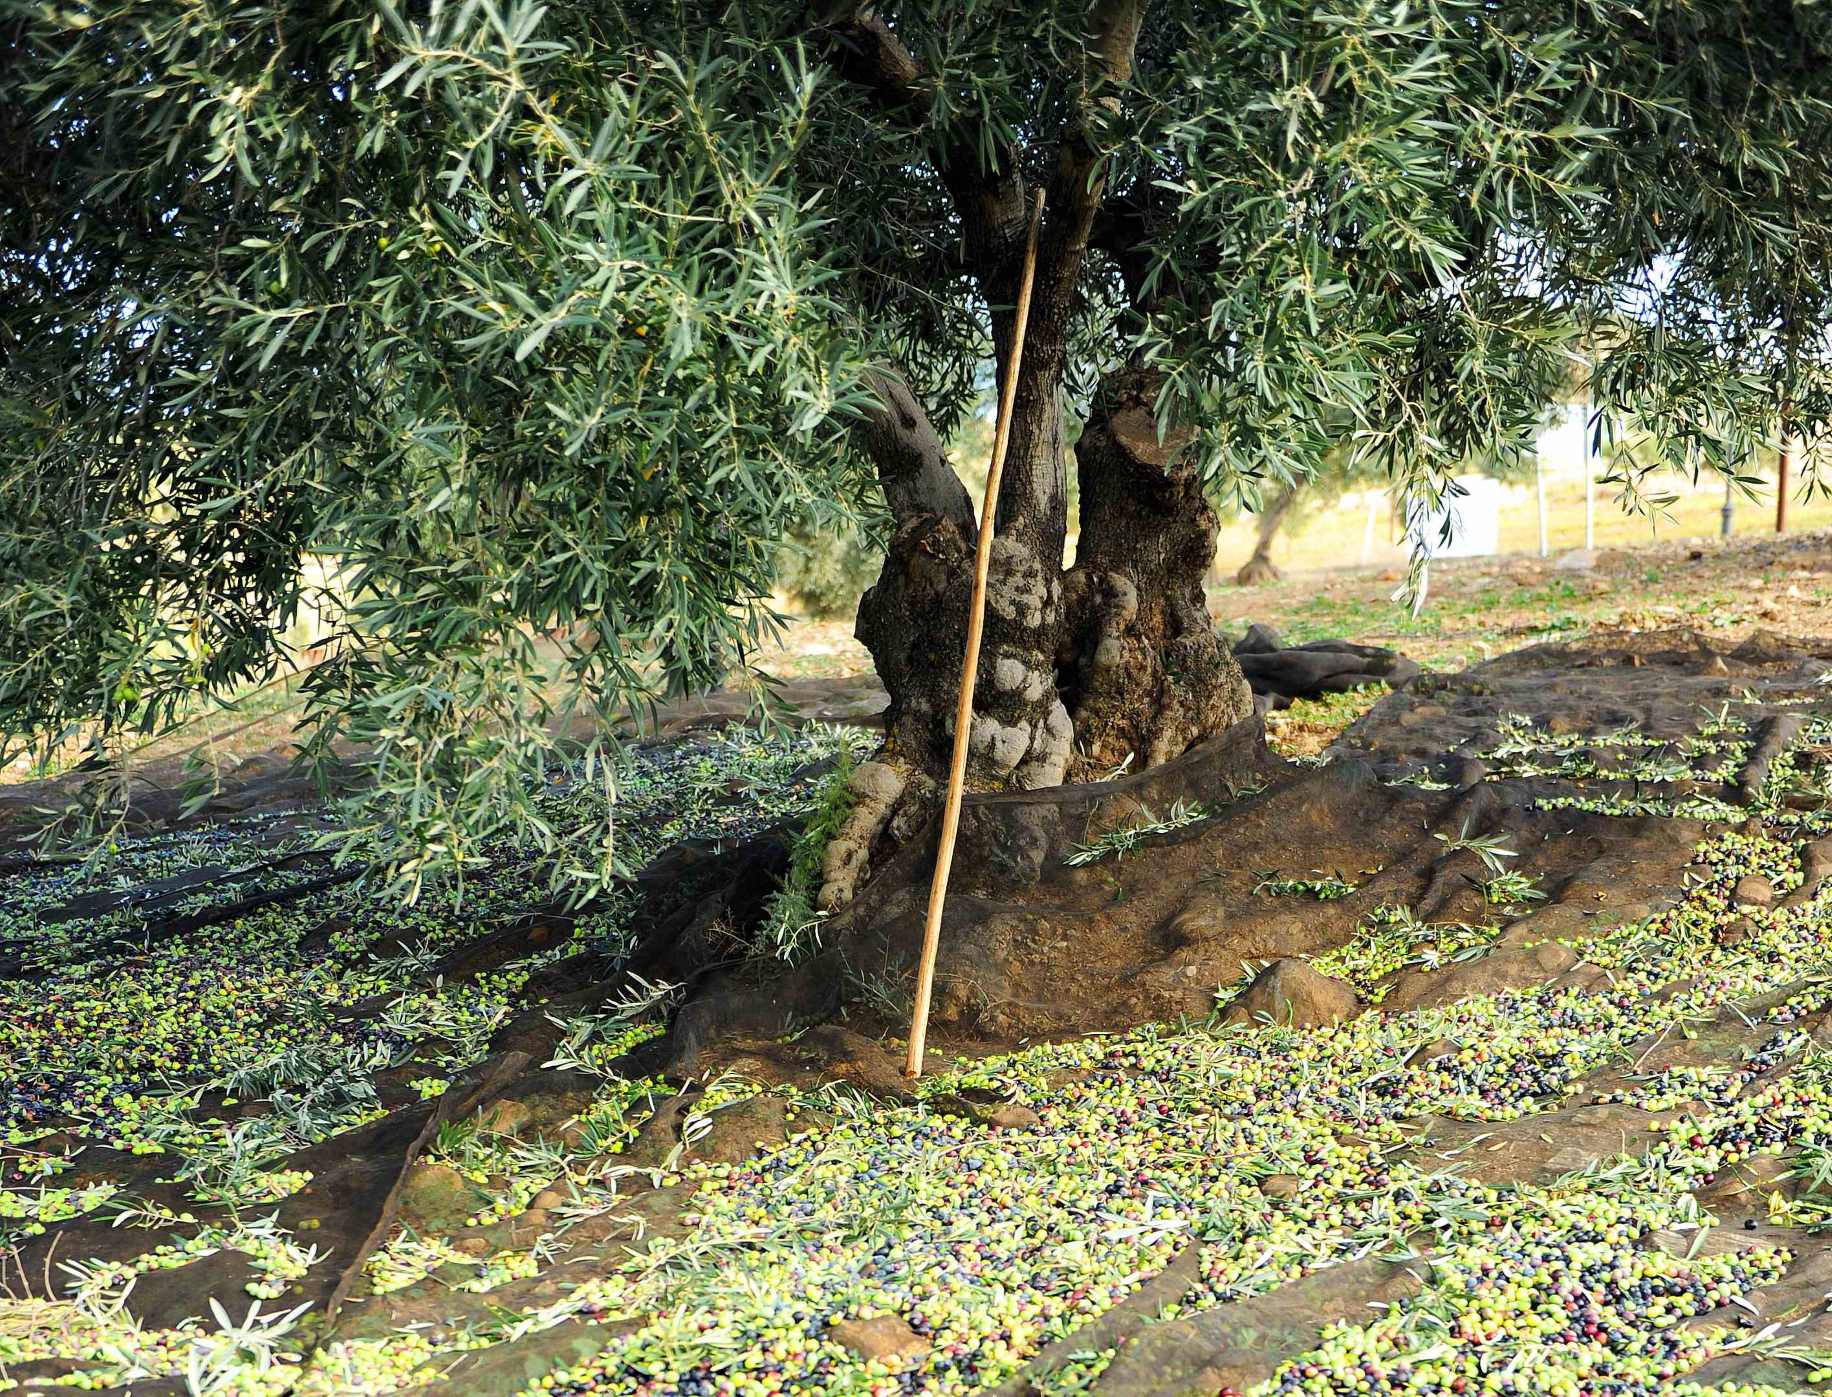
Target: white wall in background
x,y
1474,517
1561,443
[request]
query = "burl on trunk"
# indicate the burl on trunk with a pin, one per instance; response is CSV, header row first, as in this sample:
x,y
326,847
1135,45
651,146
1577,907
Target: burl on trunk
x,y
1110,663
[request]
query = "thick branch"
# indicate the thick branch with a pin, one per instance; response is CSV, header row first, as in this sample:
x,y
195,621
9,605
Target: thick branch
x,y
913,469
1079,184
866,53
1146,674
989,197
1113,37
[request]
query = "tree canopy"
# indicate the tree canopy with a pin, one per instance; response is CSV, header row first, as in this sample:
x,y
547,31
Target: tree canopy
x,y
541,324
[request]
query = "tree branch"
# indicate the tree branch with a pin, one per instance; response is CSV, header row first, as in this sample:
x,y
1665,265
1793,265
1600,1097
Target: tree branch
x,y
863,50
1079,183
1113,37
913,469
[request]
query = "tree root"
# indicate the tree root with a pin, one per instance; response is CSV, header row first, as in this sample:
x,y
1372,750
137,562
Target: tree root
x,y
1256,572
890,798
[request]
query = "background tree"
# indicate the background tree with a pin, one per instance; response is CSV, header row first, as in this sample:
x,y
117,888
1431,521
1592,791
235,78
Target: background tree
x,y
1273,511
823,575
1286,506
548,321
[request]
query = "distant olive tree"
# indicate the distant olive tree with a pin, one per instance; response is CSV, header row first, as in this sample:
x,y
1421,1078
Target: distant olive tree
x,y
825,574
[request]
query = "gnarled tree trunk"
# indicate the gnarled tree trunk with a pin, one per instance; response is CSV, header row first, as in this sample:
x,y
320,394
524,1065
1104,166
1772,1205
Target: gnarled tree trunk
x,y
1113,663
1143,672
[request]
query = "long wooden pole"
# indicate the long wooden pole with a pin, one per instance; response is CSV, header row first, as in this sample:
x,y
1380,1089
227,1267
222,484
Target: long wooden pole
x,y
1781,468
1781,473
970,664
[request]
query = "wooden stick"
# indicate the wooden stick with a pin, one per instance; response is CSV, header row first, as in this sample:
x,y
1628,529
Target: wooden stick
x,y
1787,458
970,664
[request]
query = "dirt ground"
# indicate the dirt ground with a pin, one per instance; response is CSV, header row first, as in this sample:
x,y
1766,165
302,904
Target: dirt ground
x,y
1477,608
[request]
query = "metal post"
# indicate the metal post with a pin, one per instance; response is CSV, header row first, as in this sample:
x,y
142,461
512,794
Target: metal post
x,y
1590,475
1539,485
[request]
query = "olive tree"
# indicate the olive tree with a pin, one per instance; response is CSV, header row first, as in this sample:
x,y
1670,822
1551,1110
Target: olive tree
x,y
540,325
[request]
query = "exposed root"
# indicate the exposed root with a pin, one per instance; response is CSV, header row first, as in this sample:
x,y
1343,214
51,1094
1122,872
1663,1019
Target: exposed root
x,y
889,798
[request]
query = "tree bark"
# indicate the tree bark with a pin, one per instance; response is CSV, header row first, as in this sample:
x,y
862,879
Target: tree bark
x,y
913,620
1144,673
1113,663
1116,660
1259,567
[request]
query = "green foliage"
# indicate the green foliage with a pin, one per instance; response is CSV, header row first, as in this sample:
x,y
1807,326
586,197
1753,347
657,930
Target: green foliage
x,y
540,326
520,329
1124,840
1324,887
825,574
1390,939
792,921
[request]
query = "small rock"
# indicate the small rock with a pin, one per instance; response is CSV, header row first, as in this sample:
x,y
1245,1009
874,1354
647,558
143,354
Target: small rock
x,y
1734,933
1289,992
739,1130
1194,925
1011,1116
852,1057
1515,969
571,1135
1577,560
1753,1178
504,1116
1755,891
1466,772
472,1246
883,1337
1816,862
1000,1115
1281,1185
436,1197
550,1198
